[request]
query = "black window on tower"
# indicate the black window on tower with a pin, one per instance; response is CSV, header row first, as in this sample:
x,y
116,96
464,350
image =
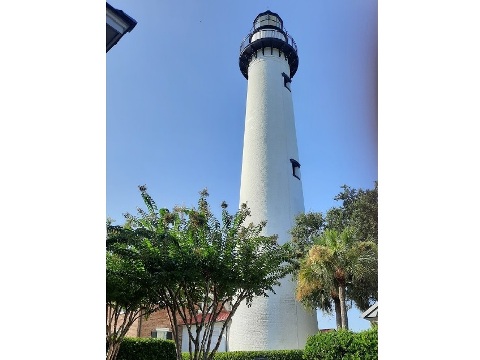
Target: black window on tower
x,y
295,168
286,81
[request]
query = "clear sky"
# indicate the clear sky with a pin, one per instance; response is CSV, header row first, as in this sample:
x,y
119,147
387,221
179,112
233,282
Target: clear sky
x,y
176,102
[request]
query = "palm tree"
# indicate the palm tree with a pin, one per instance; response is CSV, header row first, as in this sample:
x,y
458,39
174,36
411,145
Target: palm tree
x,y
335,263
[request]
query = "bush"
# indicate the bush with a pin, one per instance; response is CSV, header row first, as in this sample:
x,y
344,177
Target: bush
x,y
342,345
146,349
251,355
365,345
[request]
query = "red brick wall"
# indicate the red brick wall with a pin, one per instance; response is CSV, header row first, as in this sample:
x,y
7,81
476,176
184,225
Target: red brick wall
x,y
158,319
143,327
132,332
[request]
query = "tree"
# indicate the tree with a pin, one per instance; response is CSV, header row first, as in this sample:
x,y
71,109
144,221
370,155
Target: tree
x,y
358,212
200,264
315,292
334,262
127,285
307,227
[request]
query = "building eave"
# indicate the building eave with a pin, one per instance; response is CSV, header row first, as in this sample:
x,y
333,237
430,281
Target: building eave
x,y
118,14
371,314
118,24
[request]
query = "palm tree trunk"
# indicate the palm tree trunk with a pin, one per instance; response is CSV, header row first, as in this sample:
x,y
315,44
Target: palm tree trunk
x,y
338,315
343,306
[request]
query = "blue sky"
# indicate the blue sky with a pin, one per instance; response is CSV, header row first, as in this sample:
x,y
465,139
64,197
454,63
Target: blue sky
x,y
176,102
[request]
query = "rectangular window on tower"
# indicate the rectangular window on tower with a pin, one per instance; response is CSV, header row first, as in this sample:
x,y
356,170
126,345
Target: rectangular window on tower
x,y
295,168
286,81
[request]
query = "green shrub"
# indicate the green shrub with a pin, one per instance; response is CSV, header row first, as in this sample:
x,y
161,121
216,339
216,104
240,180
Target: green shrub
x,y
342,345
365,345
328,346
251,355
146,349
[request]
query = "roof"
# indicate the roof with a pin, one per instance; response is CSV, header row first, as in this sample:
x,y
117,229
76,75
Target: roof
x,y
131,22
118,24
268,12
372,313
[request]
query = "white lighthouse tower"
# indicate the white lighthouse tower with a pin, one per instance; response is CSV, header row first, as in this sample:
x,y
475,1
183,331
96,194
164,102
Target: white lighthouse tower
x,y
271,181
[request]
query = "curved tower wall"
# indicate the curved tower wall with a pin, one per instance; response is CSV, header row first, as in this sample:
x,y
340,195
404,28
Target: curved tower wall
x,y
267,183
273,194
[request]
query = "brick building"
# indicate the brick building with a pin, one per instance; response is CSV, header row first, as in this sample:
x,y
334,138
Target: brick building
x,y
155,325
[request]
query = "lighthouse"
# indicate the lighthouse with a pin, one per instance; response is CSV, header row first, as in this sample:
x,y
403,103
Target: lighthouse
x,y
271,181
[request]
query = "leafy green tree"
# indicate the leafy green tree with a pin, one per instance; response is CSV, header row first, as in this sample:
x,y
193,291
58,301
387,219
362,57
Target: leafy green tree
x,y
127,285
307,227
335,261
200,264
358,212
316,293
310,291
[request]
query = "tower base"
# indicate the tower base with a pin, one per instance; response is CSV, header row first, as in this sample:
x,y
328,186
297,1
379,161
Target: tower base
x,y
277,322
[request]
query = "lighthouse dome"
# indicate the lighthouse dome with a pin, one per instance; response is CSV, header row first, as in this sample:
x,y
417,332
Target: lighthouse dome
x,y
268,32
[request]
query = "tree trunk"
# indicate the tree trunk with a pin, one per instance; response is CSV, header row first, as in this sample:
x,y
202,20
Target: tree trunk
x,y
343,306
176,329
139,330
338,315
112,351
